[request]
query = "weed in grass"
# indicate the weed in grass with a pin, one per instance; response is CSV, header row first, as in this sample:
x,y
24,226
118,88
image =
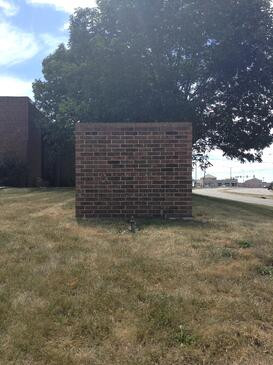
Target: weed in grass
x,y
266,271
221,253
196,246
160,313
184,337
228,253
245,244
4,238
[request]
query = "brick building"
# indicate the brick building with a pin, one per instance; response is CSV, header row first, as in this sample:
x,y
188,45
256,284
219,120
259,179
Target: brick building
x,y
20,138
134,169
254,183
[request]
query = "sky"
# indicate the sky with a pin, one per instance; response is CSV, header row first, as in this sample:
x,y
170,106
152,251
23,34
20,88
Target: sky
x,y
32,29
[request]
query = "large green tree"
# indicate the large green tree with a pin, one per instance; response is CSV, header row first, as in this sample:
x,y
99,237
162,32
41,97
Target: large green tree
x,y
205,61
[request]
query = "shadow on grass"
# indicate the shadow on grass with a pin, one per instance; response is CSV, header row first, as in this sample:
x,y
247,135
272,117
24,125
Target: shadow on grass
x,y
206,214
236,207
15,191
142,223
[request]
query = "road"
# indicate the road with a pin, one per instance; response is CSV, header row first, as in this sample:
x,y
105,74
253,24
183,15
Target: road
x,y
243,195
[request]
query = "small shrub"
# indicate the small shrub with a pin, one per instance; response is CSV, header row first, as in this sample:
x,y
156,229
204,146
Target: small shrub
x,y
245,244
13,173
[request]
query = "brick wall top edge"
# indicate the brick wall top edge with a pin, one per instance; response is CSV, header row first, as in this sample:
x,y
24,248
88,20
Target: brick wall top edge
x,y
15,101
15,98
109,125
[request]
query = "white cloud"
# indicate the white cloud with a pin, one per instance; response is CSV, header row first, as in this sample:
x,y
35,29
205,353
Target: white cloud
x,y
8,7
16,45
12,86
67,6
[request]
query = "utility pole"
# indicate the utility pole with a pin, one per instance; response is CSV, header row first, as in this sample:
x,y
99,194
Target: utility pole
x,y
204,181
196,174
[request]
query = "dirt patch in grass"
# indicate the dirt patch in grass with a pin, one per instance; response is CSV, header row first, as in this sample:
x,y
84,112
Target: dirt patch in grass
x,y
174,293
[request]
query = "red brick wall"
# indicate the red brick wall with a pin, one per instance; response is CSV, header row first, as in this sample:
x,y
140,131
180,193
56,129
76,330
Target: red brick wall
x,y
140,169
20,137
13,128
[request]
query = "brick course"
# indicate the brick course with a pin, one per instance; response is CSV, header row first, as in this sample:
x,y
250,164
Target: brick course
x,y
133,169
20,138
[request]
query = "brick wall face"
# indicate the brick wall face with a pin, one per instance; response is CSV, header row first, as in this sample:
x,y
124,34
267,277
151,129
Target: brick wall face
x,y
20,138
13,128
141,170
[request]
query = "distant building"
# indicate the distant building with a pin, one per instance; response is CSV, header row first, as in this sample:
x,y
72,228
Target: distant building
x,y
20,137
228,183
253,183
208,181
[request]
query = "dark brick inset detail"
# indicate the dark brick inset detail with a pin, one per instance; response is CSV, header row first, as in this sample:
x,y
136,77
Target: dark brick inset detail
x,y
139,169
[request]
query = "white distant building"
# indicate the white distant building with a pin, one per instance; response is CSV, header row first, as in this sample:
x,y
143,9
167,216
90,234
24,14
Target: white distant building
x,y
208,181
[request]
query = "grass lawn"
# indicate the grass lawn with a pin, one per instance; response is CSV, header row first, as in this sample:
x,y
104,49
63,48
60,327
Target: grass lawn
x,y
175,293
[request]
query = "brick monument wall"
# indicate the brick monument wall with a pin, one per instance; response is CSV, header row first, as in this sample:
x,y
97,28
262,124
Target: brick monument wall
x,y
133,169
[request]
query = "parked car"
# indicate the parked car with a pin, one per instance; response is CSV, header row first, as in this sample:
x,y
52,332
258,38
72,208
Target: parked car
x,y
270,186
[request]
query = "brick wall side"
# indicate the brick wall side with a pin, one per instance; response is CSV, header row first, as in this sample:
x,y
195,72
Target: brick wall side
x,y
143,169
13,128
20,137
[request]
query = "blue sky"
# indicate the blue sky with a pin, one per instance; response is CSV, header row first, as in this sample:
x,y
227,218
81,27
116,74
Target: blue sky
x,y
32,29
29,31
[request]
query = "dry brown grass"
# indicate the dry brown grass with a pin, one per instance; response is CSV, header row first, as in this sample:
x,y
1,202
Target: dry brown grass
x,y
175,293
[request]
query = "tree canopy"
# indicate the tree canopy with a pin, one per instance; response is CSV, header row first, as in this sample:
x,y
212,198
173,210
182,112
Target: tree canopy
x,y
205,61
